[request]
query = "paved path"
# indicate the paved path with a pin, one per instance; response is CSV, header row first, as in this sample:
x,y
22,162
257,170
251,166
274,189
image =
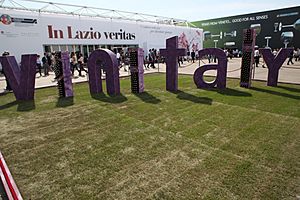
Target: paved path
x,y
288,73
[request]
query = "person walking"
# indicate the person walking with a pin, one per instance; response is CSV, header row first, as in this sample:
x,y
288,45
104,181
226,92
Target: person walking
x,y
81,64
291,56
153,58
297,55
74,63
146,63
180,60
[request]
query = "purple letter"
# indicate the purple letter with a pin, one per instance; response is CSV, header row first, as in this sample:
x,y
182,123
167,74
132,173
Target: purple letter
x,y
21,79
67,74
106,60
171,54
136,56
221,68
274,63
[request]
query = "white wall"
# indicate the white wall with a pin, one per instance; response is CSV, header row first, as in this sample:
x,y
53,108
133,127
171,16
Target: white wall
x,y
25,38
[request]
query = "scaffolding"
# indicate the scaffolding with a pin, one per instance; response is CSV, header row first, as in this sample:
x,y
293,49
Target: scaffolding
x,y
79,10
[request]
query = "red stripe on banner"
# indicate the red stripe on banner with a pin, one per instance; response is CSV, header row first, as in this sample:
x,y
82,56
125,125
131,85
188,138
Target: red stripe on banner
x,y
6,188
6,172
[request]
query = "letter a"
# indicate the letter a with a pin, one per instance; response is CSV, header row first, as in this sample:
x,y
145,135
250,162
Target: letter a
x,y
221,68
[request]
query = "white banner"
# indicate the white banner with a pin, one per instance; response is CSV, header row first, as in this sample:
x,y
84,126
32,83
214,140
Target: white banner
x,y
27,32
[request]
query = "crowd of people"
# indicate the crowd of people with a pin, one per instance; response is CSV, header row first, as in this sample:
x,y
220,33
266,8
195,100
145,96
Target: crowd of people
x,y
294,56
49,60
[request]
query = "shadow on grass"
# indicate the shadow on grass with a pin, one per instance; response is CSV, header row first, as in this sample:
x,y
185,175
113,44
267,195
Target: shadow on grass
x,y
114,99
289,89
8,105
195,99
229,92
148,98
65,102
276,93
4,93
233,92
23,106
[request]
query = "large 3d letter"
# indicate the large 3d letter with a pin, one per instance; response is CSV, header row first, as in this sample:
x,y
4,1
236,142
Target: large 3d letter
x,y
136,56
106,60
249,39
221,68
21,79
67,74
171,54
274,63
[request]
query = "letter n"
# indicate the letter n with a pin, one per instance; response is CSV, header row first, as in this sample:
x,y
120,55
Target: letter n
x,y
106,60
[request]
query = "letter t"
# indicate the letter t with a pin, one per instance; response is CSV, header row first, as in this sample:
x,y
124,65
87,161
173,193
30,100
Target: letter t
x,y
171,54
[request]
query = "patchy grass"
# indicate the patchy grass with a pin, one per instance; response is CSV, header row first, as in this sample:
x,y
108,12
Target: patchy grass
x,y
194,144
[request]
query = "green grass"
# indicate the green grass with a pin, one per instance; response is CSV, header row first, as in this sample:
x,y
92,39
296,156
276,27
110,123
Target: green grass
x,y
194,144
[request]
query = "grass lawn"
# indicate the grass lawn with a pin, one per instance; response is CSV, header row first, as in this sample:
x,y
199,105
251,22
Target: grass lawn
x,y
194,144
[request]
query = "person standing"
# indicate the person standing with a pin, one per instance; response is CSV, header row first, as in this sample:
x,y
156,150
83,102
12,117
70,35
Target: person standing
x,y
74,63
39,65
118,58
180,60
188,55
193,55
8,87
45,64
53,60
153,58
150,58
49,60
256,57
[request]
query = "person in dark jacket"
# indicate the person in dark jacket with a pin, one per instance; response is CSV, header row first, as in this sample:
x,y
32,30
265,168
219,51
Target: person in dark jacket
x,y
8,87
193,55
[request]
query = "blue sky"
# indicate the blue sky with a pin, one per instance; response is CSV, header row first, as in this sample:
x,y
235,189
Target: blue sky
x,y
191,10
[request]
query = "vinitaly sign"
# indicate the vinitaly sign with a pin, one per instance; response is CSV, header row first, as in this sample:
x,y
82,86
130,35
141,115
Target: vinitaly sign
x,y
22,78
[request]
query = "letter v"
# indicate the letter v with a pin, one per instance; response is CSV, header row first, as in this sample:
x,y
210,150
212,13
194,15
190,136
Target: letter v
x,y
21,79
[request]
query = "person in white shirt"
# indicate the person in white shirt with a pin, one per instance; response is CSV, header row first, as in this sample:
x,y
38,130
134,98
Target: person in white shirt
x,y
256,57
275,52
119,58
81,65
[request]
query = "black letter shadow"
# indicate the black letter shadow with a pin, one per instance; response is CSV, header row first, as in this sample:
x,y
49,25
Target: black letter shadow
x,y
147,98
